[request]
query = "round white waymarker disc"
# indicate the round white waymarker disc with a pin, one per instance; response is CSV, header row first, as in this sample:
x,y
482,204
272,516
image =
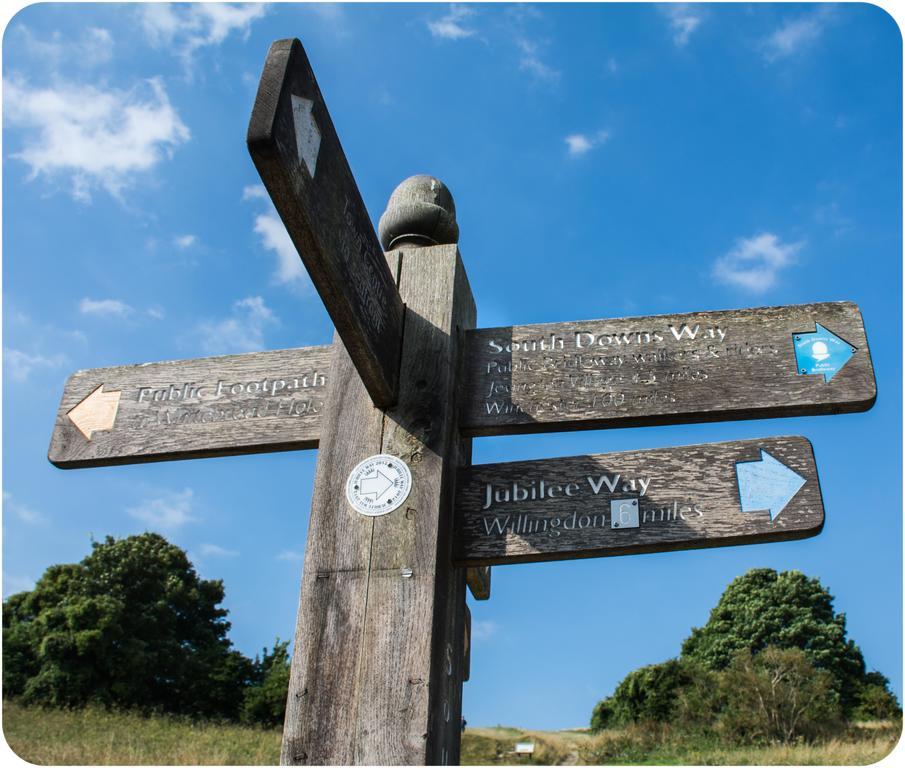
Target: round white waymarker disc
x,y
378,485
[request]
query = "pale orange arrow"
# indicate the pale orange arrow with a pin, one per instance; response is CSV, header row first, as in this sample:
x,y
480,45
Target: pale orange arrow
x,y
96,412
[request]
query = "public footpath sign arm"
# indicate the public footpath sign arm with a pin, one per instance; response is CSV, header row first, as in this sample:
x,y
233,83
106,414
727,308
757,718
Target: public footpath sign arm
x,y
298,155
188,409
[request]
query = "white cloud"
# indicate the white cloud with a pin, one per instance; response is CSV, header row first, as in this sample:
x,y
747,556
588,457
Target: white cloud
x,y
483,630
792,37
831,216
683,20
94,137
291,554
754,263
168,511
578,144
450,26
185,241
115,308
255,192
531,61
581,143
24,513
331,17
104,307
93,46
243,331
213,550
188,27
274,237
20,365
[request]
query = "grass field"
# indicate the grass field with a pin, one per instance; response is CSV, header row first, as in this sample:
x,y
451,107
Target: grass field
x,y
96,737
638,746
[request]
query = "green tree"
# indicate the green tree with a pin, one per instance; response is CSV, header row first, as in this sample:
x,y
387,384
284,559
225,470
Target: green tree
x,y
875,700
602,715
786,610
130,625
777,695
265,699
759,610
647,694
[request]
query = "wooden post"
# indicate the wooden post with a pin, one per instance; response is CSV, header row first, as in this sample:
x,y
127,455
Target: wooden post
x,y
378,662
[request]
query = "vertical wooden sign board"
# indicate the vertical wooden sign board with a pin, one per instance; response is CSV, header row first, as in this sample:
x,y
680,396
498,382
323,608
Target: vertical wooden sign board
x,y
378,661
297,153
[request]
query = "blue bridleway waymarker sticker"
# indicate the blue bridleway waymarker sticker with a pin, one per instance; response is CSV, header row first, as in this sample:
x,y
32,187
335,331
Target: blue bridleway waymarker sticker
x,y
821,352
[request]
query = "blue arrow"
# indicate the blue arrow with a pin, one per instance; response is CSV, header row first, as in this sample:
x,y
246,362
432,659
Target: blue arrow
x,y
766,484
821,352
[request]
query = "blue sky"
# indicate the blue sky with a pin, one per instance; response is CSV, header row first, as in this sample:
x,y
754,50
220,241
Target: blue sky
x,y
605,161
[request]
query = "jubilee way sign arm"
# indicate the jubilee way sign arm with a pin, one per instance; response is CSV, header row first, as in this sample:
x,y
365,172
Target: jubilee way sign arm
x,y
713,495
298,155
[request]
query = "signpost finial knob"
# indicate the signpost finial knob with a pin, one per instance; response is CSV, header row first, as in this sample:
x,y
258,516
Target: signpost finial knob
x,y
420,212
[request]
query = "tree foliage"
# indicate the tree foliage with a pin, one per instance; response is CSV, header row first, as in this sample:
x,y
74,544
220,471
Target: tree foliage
x,y
875,700
777,695
786,610
131,625
772,663
265,700
647,694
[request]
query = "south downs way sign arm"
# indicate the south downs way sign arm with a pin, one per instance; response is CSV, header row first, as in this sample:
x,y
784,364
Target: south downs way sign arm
x,y
712,495
184,409
295,148
701,366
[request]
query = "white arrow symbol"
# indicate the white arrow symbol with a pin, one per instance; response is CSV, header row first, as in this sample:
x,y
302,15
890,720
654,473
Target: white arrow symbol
x,y
307,134
767,484
95,413
376,484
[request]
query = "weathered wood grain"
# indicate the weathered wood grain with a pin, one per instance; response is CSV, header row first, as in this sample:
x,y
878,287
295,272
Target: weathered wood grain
x,y
295,148
466,664
687,498
638,371
478,580
186,409
324,697
378,661
414,624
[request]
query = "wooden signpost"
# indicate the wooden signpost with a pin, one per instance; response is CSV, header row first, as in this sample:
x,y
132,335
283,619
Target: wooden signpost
x,y
400,522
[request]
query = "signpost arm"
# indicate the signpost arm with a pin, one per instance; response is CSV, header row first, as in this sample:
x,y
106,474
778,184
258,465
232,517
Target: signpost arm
x,y
379,654
295,148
